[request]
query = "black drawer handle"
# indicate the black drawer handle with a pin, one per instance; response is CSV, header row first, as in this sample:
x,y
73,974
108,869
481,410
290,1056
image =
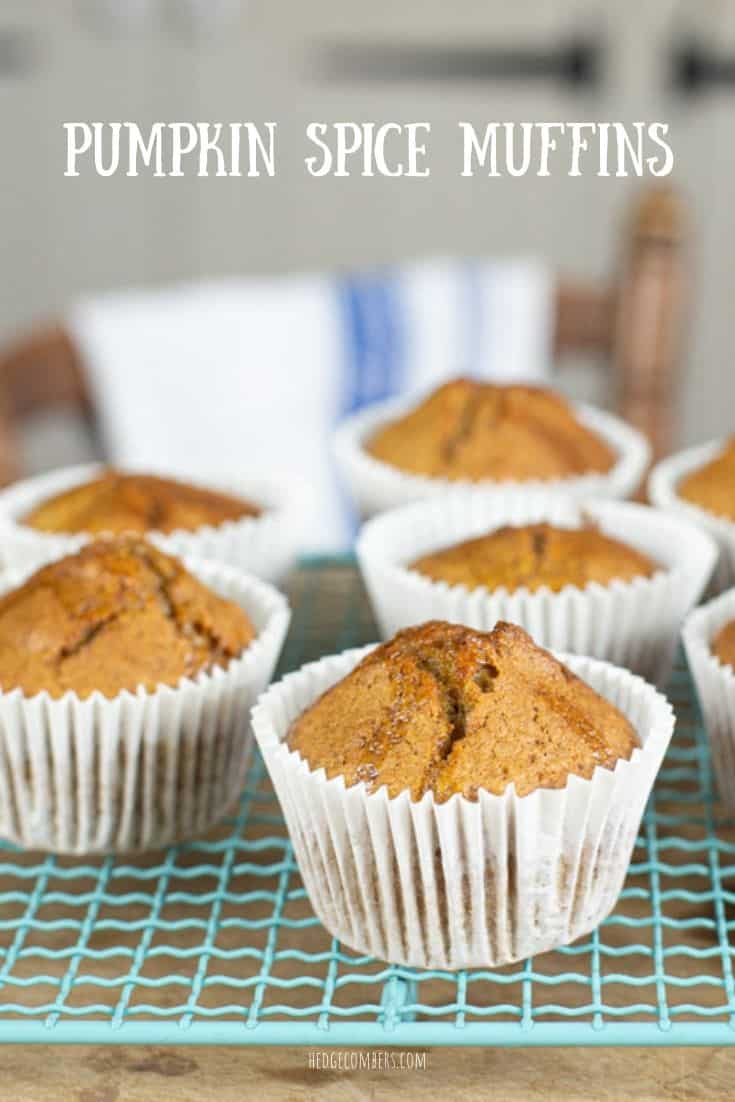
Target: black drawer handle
x,y
697,69
574,63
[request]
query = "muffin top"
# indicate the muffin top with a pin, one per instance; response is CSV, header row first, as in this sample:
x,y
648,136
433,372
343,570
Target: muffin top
x,y
475,430
116,615
712,487
723,644
536,555
118,502
446,709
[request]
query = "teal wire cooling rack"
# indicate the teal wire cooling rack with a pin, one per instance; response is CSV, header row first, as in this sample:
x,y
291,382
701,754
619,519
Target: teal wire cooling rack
x,y
214,942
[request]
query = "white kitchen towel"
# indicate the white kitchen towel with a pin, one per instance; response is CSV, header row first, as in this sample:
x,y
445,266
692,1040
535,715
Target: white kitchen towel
x,y
251,375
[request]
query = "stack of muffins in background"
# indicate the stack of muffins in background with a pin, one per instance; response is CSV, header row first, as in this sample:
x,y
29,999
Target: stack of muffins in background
x,y
457,796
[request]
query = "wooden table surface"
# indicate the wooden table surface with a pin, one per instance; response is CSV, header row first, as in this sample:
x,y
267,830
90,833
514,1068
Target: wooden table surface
x,y
127,1074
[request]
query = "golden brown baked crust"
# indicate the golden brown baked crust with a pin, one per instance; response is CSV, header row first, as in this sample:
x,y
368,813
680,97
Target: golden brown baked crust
x,y
474,430
723,644
447,709
536,555
712,487
116,615
117,502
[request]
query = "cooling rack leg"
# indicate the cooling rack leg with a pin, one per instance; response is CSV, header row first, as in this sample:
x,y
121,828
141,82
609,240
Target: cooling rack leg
x,y
398,993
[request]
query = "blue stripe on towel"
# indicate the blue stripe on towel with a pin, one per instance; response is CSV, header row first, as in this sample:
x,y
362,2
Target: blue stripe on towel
x,y
392,351
355,347
373,366
474,320
374,360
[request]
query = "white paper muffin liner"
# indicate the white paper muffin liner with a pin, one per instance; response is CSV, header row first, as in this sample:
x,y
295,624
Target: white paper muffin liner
x,y
263,545
376,486
635,624
662,492
715,684
142,769
462,884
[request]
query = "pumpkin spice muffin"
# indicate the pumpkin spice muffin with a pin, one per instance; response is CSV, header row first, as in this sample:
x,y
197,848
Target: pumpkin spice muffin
x,y
116,615
712,486
483,831
475,430
723,644
118,502
446,709
709,643
612,580
126,684
536,555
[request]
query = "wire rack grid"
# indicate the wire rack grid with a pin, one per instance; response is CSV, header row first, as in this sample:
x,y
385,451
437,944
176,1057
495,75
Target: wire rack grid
x,y
214,941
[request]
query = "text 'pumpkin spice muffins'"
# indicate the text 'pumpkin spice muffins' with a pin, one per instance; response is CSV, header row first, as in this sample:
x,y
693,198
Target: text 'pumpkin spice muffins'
x,y
709,642
126,678
699,484
608,579
469,433
249,525
460,799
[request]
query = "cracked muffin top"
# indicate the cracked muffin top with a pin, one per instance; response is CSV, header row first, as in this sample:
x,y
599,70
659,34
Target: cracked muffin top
x,y
723,644
446,709
712,486
116,615
475,430
119,502
536,555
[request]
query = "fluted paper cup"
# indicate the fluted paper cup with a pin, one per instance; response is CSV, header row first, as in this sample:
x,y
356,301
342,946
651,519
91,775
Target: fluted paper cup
x,y
634,623
264,545
141,769
662,492
376,486
462,884
715,684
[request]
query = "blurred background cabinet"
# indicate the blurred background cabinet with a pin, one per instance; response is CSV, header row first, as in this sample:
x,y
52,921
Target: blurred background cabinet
x,y
150,60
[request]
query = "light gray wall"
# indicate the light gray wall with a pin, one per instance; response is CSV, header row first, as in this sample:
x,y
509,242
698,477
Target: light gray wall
x,y
63,236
